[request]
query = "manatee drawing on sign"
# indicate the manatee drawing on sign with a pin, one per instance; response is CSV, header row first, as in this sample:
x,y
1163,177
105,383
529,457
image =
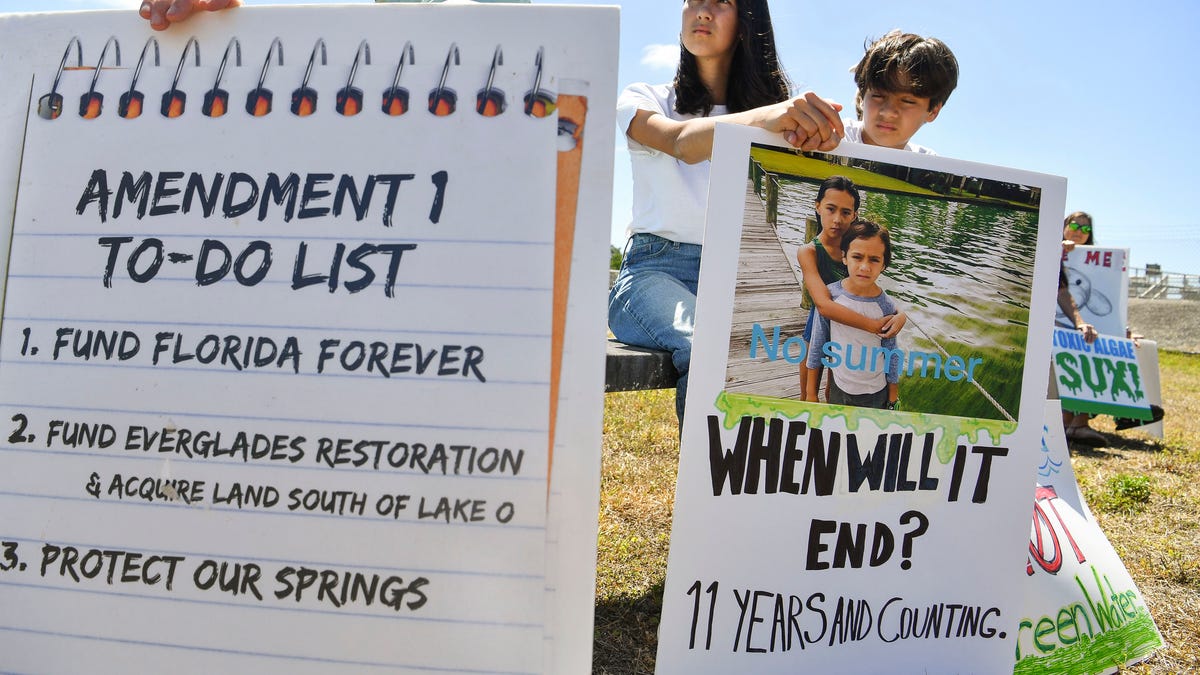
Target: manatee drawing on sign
x,y
1085,297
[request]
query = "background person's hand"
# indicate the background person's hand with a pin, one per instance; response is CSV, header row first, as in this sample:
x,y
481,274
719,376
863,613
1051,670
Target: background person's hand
x,y
162,13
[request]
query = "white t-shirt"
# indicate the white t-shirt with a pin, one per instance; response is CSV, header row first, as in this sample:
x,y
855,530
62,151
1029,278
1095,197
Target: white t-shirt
x,y
669,195
854,135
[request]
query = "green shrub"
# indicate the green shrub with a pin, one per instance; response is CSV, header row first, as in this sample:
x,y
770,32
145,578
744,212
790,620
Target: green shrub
x,y
1125,493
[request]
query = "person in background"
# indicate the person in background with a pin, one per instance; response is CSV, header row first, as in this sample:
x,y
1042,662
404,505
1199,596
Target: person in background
x,y
1077,231
728,72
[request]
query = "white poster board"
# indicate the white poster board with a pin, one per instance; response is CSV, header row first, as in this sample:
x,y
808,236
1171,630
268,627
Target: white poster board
x,y
1098,279
1083,613
370,418
1147,355
818,538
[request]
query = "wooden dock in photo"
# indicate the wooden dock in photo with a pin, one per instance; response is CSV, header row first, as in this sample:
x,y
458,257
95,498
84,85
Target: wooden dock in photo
x,y
767,294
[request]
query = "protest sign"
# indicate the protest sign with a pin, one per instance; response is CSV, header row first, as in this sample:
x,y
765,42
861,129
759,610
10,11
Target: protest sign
x,y
1098,279
1099,377
288,364
1083,613
810,536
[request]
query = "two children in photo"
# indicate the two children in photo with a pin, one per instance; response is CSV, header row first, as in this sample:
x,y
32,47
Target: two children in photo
x,y
864,368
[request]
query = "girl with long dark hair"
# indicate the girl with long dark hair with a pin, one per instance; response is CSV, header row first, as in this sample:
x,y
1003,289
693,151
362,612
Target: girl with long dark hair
x,y
728,72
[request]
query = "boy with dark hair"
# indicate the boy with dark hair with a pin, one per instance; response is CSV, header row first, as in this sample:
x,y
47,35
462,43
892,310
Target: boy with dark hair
x,y
903,82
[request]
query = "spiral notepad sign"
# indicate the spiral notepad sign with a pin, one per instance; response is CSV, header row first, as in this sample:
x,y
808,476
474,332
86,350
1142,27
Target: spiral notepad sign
x,y
278,327
394,100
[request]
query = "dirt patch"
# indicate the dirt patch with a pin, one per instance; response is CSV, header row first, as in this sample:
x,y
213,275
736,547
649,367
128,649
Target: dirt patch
x,y
1174,324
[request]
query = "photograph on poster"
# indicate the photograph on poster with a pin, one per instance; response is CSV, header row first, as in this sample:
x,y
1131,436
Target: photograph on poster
x,y
954,253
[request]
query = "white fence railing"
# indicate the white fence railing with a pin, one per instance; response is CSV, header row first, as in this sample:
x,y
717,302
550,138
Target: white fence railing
x,y
1153,283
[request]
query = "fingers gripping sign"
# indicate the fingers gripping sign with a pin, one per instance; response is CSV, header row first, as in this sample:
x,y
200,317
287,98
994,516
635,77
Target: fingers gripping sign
x,y
162,13
812,123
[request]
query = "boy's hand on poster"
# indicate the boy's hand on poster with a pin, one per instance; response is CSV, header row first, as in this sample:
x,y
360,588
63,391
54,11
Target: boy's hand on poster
x,y
162,13
892,324
810,122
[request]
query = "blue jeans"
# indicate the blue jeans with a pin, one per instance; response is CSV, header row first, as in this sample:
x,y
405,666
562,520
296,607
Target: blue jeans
x,y
838,397
653,301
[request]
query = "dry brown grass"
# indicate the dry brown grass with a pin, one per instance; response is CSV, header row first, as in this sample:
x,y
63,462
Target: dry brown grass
x,y
637,492
1159,542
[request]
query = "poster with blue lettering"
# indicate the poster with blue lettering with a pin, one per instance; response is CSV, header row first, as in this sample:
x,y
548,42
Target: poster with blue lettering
x,y
1102,377
276,355
881,517
1083,613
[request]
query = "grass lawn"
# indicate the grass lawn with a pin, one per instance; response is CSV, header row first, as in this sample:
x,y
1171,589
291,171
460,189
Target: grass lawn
x,y
1145,493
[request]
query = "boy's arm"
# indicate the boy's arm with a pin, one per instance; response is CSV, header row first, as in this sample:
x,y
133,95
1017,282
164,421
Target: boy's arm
x,y
807,256
894,318
893,395
894,365
808,122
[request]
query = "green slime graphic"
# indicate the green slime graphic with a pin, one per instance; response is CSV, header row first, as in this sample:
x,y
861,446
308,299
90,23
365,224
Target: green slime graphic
x,y
1083,370
737,406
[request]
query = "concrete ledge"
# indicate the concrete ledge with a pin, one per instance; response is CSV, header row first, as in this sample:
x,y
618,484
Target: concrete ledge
x,y
630,368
